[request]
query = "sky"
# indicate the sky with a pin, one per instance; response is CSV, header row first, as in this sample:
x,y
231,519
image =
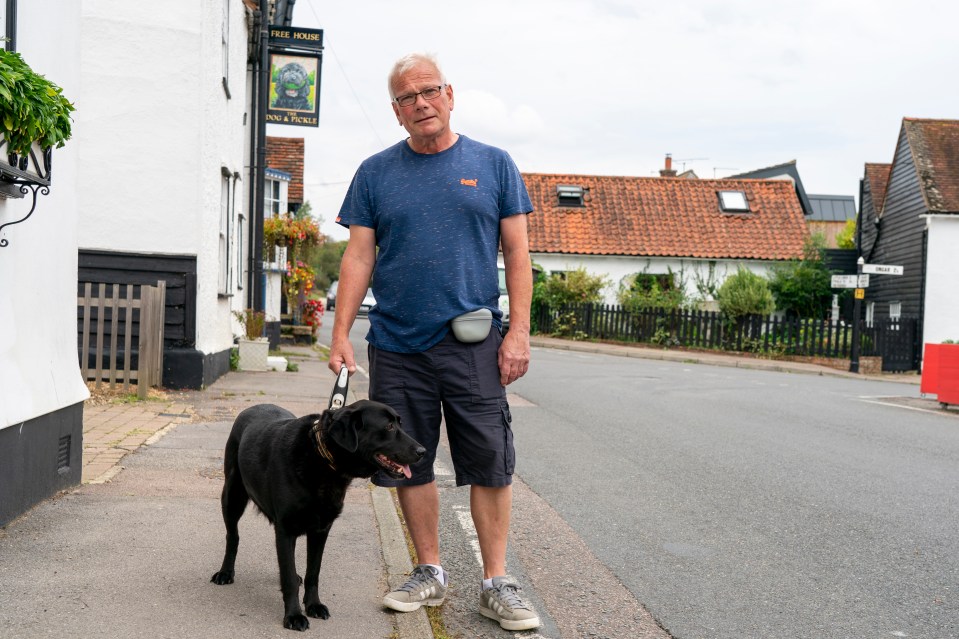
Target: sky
x,y
609,87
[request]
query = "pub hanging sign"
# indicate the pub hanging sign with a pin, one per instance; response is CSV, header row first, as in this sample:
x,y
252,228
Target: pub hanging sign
x,y
296,59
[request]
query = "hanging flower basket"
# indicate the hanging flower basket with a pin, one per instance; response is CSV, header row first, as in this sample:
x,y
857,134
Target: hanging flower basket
x,y
32,109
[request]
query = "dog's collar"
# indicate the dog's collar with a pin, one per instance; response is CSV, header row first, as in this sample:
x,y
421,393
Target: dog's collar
x,y
317,433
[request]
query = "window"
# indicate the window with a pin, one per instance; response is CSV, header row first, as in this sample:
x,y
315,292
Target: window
x,y
568,195
272,204
895,310
241,221
870,313
225,47
224,280
733,201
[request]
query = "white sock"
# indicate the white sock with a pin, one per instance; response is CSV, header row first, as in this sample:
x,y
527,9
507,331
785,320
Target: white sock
x,y
487,583
440,573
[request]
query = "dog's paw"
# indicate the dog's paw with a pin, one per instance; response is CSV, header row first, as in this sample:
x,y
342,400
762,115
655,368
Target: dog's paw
x,y
317,611
296,622
222,578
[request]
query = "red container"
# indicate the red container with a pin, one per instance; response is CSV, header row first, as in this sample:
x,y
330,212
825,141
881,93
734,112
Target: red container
x,y
948,392
929,383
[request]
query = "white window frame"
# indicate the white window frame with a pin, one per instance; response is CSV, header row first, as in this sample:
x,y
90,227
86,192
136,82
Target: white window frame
x,y
895,310
225,261
870,313
733,201
275,196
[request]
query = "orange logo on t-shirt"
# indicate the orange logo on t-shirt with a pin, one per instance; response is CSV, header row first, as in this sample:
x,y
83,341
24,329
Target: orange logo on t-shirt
x,y
466,182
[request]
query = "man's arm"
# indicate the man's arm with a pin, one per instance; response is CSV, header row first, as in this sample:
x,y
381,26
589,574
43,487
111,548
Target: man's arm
x,y
514,353
356,268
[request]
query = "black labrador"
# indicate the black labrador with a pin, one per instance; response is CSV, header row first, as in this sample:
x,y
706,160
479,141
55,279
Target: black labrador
x,y
297,471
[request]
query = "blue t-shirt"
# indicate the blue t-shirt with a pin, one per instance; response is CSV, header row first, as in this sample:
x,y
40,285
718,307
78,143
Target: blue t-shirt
x,y
436,218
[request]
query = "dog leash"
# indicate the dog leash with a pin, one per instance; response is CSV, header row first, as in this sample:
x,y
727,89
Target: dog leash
x,y
342,384
337,400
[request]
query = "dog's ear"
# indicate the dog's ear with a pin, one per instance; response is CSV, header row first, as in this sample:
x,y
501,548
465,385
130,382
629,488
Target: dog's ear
x,y
343,428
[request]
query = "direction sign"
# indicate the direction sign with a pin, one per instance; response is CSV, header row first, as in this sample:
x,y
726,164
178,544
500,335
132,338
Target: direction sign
x,y
882,269
844,281
863,281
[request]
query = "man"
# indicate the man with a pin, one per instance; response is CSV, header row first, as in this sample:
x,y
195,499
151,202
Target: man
x,y
429,213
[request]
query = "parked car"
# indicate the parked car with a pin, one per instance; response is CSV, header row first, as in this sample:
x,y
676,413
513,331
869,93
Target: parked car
x,y
331,296
368,302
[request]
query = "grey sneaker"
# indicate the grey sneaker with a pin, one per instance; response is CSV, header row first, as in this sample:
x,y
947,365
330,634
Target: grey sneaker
x,y
502,603
422,588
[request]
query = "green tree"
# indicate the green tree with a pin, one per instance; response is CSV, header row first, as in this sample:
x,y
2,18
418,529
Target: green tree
x,y
573,287
803,288
325,260
643,291
745,293
846,238
559,289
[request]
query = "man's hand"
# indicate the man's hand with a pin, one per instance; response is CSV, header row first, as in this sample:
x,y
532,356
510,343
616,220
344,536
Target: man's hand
x,y
341,354
513,357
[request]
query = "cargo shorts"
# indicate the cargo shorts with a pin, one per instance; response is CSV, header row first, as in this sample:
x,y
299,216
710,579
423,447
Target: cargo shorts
x,y
458,383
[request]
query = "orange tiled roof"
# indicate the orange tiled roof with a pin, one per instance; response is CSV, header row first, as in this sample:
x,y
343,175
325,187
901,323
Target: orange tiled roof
x,y
877,175
935,151
666,217
286,154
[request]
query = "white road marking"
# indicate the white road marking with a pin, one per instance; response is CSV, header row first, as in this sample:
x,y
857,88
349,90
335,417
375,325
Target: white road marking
x,y
466,523
915,408
517,400
439,468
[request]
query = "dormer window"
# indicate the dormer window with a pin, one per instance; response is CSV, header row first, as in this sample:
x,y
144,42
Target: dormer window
x,y
733,201
569,195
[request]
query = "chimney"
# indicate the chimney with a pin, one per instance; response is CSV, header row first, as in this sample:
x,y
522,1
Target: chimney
x,y
668,171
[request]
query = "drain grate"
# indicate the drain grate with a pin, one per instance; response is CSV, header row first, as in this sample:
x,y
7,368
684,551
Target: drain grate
x,y
63,454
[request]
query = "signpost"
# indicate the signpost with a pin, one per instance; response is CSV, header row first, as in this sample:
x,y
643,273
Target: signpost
x,y
882,269
854,351
860,282
844,281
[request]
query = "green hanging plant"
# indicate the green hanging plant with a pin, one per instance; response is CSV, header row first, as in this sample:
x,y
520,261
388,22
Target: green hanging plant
x,y
32,109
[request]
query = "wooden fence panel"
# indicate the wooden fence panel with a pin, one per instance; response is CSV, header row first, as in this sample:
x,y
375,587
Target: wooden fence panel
x,y
101,319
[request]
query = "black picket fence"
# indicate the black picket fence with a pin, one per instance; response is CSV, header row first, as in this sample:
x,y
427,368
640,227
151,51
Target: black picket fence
x,y
768,335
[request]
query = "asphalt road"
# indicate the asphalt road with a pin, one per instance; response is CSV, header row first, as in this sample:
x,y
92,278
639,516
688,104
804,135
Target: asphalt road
x,y
727,502
741,503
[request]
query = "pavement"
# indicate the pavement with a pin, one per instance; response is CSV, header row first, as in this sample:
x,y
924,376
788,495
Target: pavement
x,y
130,552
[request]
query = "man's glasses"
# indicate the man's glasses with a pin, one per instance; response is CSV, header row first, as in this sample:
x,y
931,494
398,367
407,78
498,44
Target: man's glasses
x,y
428,94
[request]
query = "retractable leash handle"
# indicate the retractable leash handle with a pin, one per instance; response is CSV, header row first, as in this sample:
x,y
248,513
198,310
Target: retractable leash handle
x,y
342,385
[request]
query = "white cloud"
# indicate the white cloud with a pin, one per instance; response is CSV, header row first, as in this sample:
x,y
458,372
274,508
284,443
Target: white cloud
x,y
610,86
486,117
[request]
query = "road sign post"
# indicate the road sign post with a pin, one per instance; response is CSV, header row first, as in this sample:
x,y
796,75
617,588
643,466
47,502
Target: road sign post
x,y
854,351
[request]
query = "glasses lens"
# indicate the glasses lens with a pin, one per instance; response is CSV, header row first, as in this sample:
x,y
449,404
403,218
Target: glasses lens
x,y
431,93
406,100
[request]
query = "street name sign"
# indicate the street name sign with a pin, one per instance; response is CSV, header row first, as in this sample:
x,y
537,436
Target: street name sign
x,y
863,281
882,269
844,281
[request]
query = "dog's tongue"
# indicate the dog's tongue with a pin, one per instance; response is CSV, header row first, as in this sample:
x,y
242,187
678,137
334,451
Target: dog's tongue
x,y
406,471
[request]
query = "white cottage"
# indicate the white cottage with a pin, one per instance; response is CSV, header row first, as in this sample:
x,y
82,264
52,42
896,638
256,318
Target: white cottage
x,y
701,231
41,391
163,134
